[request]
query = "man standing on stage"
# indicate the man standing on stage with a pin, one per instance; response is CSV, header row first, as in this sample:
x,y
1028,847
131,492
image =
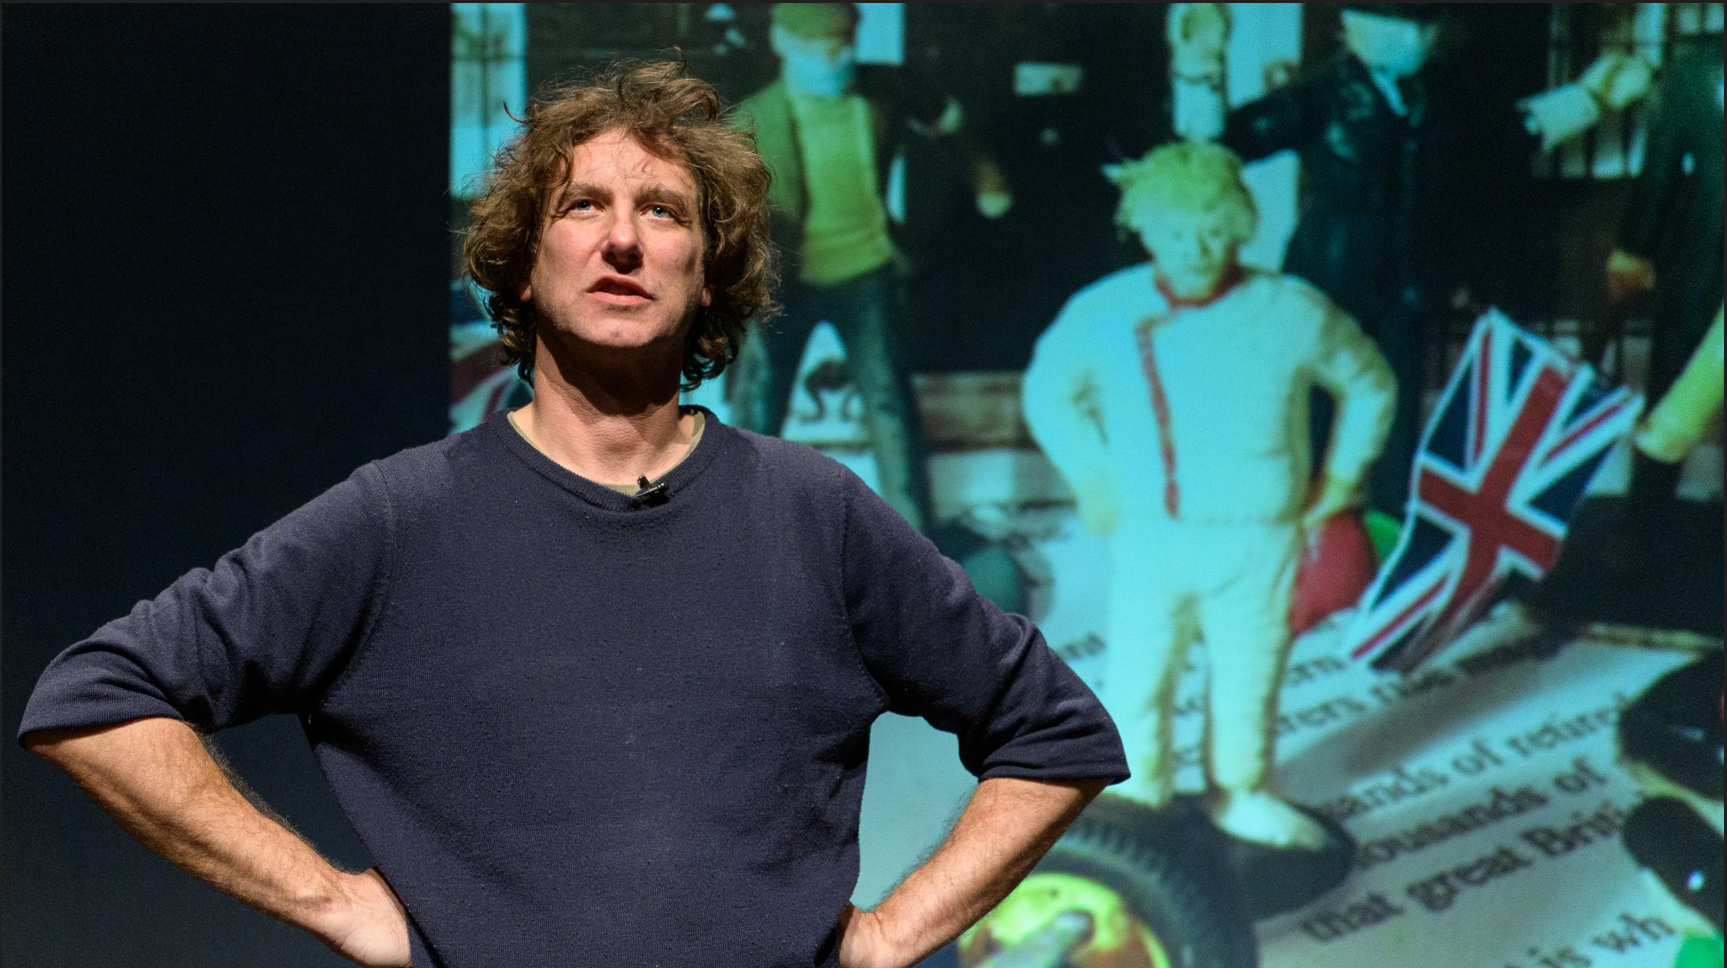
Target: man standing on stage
x,y
593,681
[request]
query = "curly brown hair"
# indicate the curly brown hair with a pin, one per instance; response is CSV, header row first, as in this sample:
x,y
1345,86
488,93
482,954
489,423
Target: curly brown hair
x,y
672,115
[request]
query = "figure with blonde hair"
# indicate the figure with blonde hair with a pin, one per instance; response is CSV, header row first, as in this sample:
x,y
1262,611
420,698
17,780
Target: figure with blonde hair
x,y
1173,397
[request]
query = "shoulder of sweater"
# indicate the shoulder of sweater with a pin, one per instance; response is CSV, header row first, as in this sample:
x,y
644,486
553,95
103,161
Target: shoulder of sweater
x,y
783,454
787,463
426,469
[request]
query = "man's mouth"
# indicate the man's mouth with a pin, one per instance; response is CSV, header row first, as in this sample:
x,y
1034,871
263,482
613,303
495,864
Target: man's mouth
x,y
618,286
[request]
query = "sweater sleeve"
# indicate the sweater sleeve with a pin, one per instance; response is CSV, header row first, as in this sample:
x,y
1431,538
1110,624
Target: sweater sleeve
x,y
940,650
266,630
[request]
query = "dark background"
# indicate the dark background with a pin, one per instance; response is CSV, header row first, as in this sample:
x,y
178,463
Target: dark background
x,y
225,270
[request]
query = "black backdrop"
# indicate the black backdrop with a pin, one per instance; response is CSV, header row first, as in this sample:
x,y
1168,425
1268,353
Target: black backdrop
x,y
224,252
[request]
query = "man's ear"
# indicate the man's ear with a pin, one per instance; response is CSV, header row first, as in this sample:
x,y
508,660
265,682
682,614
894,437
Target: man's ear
x,y
526,293
707,296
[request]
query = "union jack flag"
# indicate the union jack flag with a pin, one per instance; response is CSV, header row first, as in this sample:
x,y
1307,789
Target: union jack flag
x,y
1512,444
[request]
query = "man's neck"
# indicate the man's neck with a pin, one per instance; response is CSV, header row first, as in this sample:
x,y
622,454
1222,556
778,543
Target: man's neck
x,y
609,430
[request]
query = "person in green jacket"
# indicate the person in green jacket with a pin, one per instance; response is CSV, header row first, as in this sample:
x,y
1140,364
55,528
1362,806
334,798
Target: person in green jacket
x,y
828,129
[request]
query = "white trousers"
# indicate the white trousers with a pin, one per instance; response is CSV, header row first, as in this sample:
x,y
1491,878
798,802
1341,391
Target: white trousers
x,y
1173,583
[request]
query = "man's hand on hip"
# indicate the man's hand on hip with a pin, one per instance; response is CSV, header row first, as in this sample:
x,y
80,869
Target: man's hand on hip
x,y
863,944
156,778
369,925
1004,830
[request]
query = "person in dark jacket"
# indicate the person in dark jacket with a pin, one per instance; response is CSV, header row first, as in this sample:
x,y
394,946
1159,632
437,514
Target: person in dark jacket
x,y
1402,165
1670,239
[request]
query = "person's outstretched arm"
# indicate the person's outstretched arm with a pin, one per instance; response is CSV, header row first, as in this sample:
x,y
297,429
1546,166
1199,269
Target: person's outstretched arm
x,y
1008,825
156,779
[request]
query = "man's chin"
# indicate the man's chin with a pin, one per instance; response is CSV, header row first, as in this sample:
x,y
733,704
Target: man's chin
x,y
618,338
622,326
625,340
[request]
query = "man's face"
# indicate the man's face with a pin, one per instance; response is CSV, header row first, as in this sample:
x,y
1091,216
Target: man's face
x,y
620,258
1192,251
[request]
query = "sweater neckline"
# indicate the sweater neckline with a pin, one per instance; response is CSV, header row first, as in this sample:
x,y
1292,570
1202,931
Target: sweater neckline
x,y
599,495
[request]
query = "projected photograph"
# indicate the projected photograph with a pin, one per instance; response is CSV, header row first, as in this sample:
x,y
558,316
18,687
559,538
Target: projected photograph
x,y
1337,386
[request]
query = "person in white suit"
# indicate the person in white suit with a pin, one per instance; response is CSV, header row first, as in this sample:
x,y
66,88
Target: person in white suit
x,y
1173,397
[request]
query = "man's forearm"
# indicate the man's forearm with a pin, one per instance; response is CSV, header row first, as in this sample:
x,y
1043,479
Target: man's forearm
x,y
1008,825
157,780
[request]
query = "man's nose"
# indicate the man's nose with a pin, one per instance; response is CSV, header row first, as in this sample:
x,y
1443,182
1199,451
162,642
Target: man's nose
x,y
623,244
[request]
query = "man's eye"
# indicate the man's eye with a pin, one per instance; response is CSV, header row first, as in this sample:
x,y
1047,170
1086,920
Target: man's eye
x,y
661,211
581,205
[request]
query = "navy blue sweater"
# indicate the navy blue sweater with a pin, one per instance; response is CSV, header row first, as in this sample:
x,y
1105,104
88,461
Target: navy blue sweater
x,y
572,729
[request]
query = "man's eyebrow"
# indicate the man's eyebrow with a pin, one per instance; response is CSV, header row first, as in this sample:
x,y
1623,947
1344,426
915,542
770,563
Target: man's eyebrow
x,y
666,195
653,194
575,190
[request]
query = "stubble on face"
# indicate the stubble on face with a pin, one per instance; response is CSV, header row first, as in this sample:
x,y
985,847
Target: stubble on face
x,y
619,268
